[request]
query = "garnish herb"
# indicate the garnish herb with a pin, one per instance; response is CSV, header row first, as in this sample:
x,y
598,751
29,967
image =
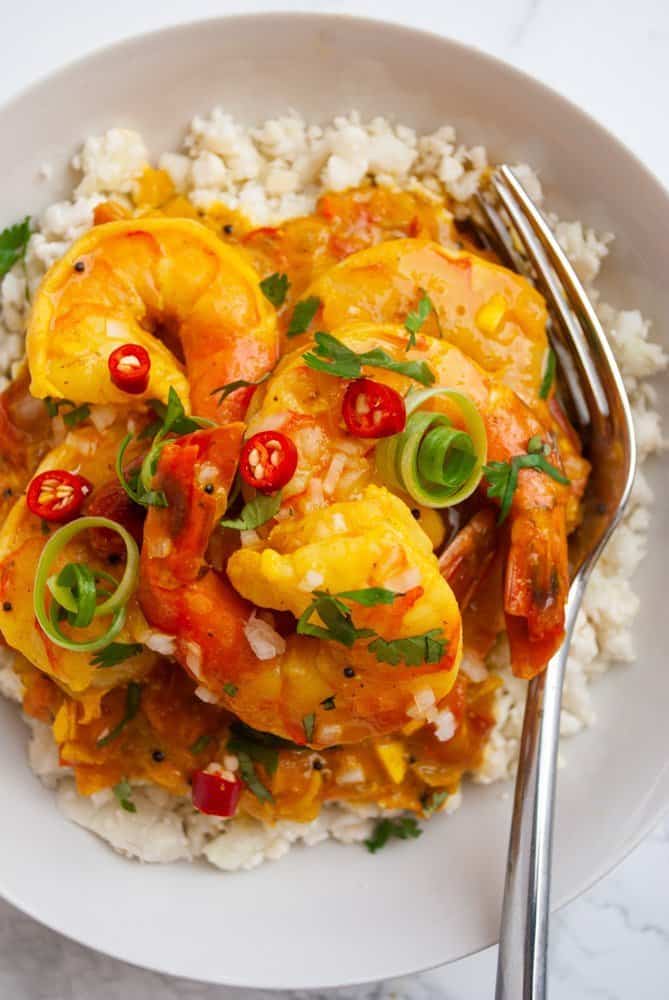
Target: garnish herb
x,y
275,288
403,828
303,313
253,747
200,744
123,792
549,375
429,647
503,476
328,703
331,356
132,699
13,243
338,626
240,383
73,417
230,689
115,653
415,320
308,723
432,800
173,420
255,513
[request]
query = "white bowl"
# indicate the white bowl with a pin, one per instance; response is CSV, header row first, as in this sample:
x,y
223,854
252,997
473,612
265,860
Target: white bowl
x,y
332,915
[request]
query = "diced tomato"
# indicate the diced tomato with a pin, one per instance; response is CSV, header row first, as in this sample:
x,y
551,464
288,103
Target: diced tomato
x,y
214,794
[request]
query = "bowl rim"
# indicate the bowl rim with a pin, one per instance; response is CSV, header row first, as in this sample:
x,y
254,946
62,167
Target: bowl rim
x,y
496,64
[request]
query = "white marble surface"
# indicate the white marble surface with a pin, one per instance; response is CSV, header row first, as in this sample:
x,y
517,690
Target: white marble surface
x,y
610,56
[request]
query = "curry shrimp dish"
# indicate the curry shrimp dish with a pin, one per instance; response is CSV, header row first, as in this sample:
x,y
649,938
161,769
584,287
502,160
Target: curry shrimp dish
x,y
287,491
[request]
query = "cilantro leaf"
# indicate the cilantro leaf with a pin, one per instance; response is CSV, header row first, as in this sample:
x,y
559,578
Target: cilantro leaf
x,y
254,747
230,689
336,617
240,383
548,376
132,699
370,596
328,703
77,415
115,653
303,313
123,792
255,513
503,476
403,828
53,405
331,356
200,744
431,801
414,650
250,777
308,723
13,243
415,320
275,288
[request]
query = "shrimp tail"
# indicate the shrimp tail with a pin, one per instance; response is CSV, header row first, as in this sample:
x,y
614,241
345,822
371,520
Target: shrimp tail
x,y
537,582
466,559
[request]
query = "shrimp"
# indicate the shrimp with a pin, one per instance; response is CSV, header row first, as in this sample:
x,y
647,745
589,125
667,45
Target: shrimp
x,y
169,285
22,539
310,690
307,404
490,313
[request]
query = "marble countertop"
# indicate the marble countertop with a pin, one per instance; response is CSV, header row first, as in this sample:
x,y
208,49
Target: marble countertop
x,y
610,57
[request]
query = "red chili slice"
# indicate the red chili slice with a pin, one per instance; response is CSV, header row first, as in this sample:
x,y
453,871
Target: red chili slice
x,y
268,461
215,795
129,367
57,495
373,410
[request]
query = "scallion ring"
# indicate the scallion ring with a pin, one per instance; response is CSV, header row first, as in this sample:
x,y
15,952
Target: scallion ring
x,y
435,463
74,591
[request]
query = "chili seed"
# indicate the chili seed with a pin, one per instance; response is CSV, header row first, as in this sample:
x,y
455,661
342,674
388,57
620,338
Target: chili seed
x,y
158,756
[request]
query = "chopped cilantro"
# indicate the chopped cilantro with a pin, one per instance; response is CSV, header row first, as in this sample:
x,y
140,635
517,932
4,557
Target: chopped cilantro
x,y
331,356
255,513
13,243
132,699
123,792
275,288
200,744
230,689
303,313
115,653
503,476
308,723
241,383
549,375
403,828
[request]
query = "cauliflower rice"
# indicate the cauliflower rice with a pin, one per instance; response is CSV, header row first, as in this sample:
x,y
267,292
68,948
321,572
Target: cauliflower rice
x,y
271,173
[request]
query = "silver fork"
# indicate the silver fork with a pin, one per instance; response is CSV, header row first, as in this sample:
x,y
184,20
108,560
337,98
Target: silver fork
x,y
601,409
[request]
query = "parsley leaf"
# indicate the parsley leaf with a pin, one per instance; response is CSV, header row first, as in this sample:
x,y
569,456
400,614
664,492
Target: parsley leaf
x,y
132,699
240,383
303,313
200,744
370,596
413,650
331,356
115,653
275,288
255,513
230,689
254,747
77,415
415,320
123,792
308,723
403,828
549,375
503,476
13,243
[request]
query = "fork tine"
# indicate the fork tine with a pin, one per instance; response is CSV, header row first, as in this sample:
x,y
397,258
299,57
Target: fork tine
x,y
551,265
499,235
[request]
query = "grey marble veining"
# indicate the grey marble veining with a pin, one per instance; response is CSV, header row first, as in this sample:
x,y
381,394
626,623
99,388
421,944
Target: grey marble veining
x,y
610,57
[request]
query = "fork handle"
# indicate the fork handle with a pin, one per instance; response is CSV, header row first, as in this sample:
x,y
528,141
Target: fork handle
x,y
521,966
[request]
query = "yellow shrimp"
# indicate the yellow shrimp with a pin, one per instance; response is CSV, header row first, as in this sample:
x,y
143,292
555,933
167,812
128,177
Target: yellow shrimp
x,y
169,285
310,690
333,466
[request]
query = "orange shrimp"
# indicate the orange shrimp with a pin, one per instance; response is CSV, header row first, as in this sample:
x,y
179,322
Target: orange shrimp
x,y
307,404
309,690
169,285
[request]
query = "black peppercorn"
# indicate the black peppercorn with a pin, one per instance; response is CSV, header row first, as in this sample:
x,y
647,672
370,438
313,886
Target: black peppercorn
x,y
209,488
318,765
79,266
349,672
6,605
227,229
158,756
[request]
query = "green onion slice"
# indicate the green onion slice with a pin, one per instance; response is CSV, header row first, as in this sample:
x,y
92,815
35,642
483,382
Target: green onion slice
x,y
437,464
74,589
